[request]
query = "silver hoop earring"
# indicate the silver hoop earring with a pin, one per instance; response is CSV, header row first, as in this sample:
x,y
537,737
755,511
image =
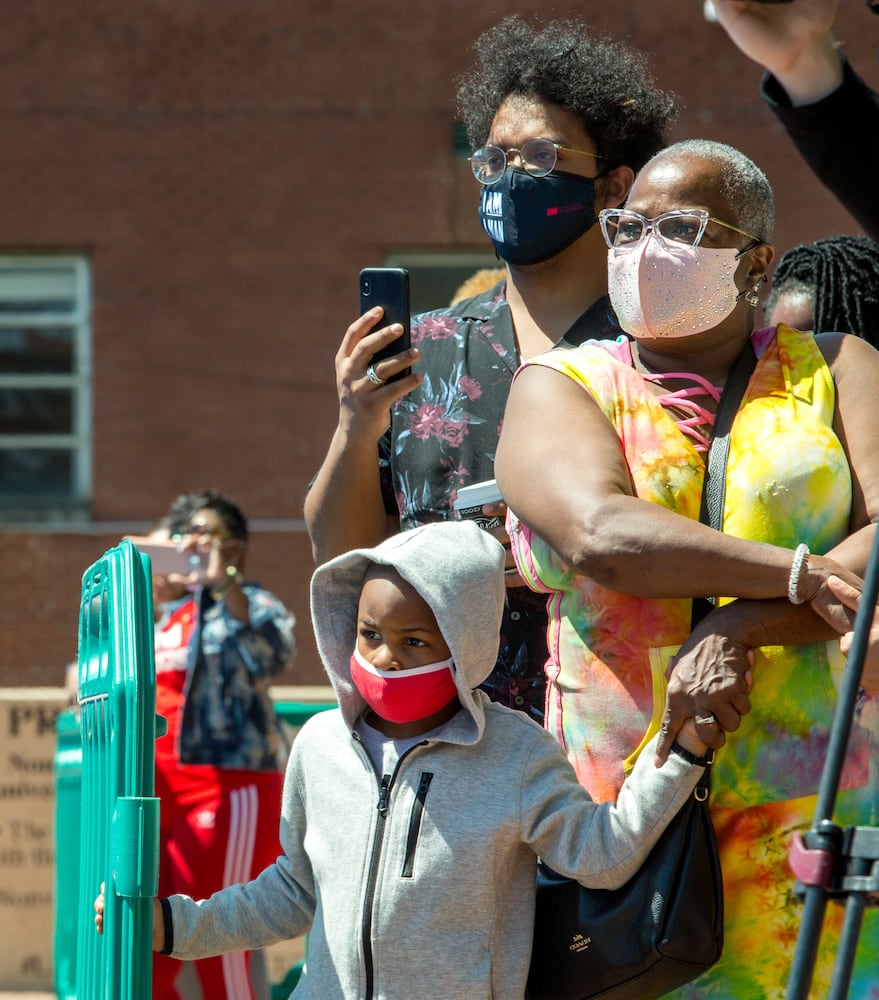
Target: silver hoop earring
x,y
752,298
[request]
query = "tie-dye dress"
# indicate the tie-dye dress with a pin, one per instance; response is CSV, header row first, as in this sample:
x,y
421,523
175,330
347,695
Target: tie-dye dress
x,y
788,481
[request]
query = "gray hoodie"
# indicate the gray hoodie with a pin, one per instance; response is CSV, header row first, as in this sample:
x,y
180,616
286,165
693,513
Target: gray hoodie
x,y
421,883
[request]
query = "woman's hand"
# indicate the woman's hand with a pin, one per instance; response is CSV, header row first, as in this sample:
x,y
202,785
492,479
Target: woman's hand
x,y
815,588
710,681
849,597
364,406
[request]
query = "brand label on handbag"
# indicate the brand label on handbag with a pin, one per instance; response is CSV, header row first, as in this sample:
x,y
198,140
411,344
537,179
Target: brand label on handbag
x,y
579,943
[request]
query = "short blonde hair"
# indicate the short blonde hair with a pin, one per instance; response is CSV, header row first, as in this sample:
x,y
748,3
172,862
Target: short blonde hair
x,y
481,281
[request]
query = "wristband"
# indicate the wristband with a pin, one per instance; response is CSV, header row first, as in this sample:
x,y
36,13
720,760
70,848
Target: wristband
x,y
800,562
692,758
168,922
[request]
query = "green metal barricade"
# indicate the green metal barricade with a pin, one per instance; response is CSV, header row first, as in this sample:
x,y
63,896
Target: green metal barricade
x,y
295,714
119,832
68,783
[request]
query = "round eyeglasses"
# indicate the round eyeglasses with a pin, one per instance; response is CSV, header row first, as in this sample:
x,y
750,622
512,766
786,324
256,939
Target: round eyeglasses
x,y
537,156
626,230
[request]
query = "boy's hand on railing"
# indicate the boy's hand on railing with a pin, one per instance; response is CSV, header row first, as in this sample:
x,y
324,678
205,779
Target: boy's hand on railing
x,y
158,922
99,911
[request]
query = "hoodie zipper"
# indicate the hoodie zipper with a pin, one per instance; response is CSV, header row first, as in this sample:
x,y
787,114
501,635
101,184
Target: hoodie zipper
x,y
386,783
415,824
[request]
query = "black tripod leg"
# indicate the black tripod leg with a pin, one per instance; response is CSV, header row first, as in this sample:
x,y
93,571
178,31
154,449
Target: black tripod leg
x,y
848,944
815,895
814,905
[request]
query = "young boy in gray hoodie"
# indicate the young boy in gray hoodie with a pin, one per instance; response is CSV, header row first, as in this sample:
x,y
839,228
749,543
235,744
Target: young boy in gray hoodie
x,y
414,814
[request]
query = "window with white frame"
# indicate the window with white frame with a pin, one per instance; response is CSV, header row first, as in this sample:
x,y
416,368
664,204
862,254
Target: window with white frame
x,y
45,399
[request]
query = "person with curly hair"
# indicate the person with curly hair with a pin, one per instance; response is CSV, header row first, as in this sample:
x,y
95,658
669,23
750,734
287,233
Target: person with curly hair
x,y
831,284
559,121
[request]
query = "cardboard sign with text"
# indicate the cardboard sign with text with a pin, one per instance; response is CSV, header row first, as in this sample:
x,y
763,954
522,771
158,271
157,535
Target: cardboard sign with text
x,y
27,838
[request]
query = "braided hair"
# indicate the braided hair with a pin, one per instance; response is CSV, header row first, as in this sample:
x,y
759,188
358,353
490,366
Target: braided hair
x,y
841,276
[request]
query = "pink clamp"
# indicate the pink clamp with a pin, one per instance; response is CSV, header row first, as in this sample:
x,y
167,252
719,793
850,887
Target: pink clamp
x,y
811,866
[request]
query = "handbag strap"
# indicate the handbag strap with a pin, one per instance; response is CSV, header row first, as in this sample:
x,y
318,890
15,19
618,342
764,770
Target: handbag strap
x,y
714,484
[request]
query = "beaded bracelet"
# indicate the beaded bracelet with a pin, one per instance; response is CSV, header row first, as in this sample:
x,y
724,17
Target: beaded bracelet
x,y
800,562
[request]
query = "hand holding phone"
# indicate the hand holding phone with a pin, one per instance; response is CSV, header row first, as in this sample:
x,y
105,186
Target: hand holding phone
x,y
471,499
388,287
166,559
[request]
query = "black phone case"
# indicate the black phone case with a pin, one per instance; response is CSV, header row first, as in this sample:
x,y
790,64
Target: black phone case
x,y
388,287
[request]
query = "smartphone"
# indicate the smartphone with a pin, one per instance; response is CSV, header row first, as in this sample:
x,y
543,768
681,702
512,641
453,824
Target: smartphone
x,y
388,287
470,500
165,557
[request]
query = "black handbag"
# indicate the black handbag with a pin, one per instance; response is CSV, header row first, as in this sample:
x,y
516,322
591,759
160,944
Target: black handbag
x,y
664,927
661,929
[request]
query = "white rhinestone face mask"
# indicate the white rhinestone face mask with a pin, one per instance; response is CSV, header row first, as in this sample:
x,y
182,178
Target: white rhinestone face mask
x,y
660,292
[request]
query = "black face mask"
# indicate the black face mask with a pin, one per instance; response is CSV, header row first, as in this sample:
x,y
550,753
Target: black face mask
x,y
530,219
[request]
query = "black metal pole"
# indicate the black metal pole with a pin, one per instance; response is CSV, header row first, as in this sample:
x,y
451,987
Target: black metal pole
x,y
855,905
809,935
816,898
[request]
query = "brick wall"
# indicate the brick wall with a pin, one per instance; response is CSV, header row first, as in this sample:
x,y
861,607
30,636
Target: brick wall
x,y
228,168
41,575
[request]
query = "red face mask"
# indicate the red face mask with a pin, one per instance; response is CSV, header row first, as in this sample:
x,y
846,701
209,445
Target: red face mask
x,y
404,695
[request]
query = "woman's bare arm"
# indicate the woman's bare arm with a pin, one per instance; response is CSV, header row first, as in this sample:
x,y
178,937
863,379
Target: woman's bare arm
x,y
561,470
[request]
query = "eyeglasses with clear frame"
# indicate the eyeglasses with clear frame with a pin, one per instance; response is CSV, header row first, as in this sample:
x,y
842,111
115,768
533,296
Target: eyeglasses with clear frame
x,y
626,230
537,156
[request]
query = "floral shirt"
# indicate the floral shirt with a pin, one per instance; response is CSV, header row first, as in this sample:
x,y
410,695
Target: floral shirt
x,y
444,435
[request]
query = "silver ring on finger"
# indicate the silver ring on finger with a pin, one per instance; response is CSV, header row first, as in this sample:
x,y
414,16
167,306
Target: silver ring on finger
x,y
374,376
706,720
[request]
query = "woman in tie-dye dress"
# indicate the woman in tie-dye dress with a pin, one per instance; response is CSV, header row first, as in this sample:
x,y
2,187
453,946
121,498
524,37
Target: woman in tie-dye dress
x,y
602,459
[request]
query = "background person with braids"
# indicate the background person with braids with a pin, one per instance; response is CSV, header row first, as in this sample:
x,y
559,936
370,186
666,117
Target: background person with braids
x,y
826,286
